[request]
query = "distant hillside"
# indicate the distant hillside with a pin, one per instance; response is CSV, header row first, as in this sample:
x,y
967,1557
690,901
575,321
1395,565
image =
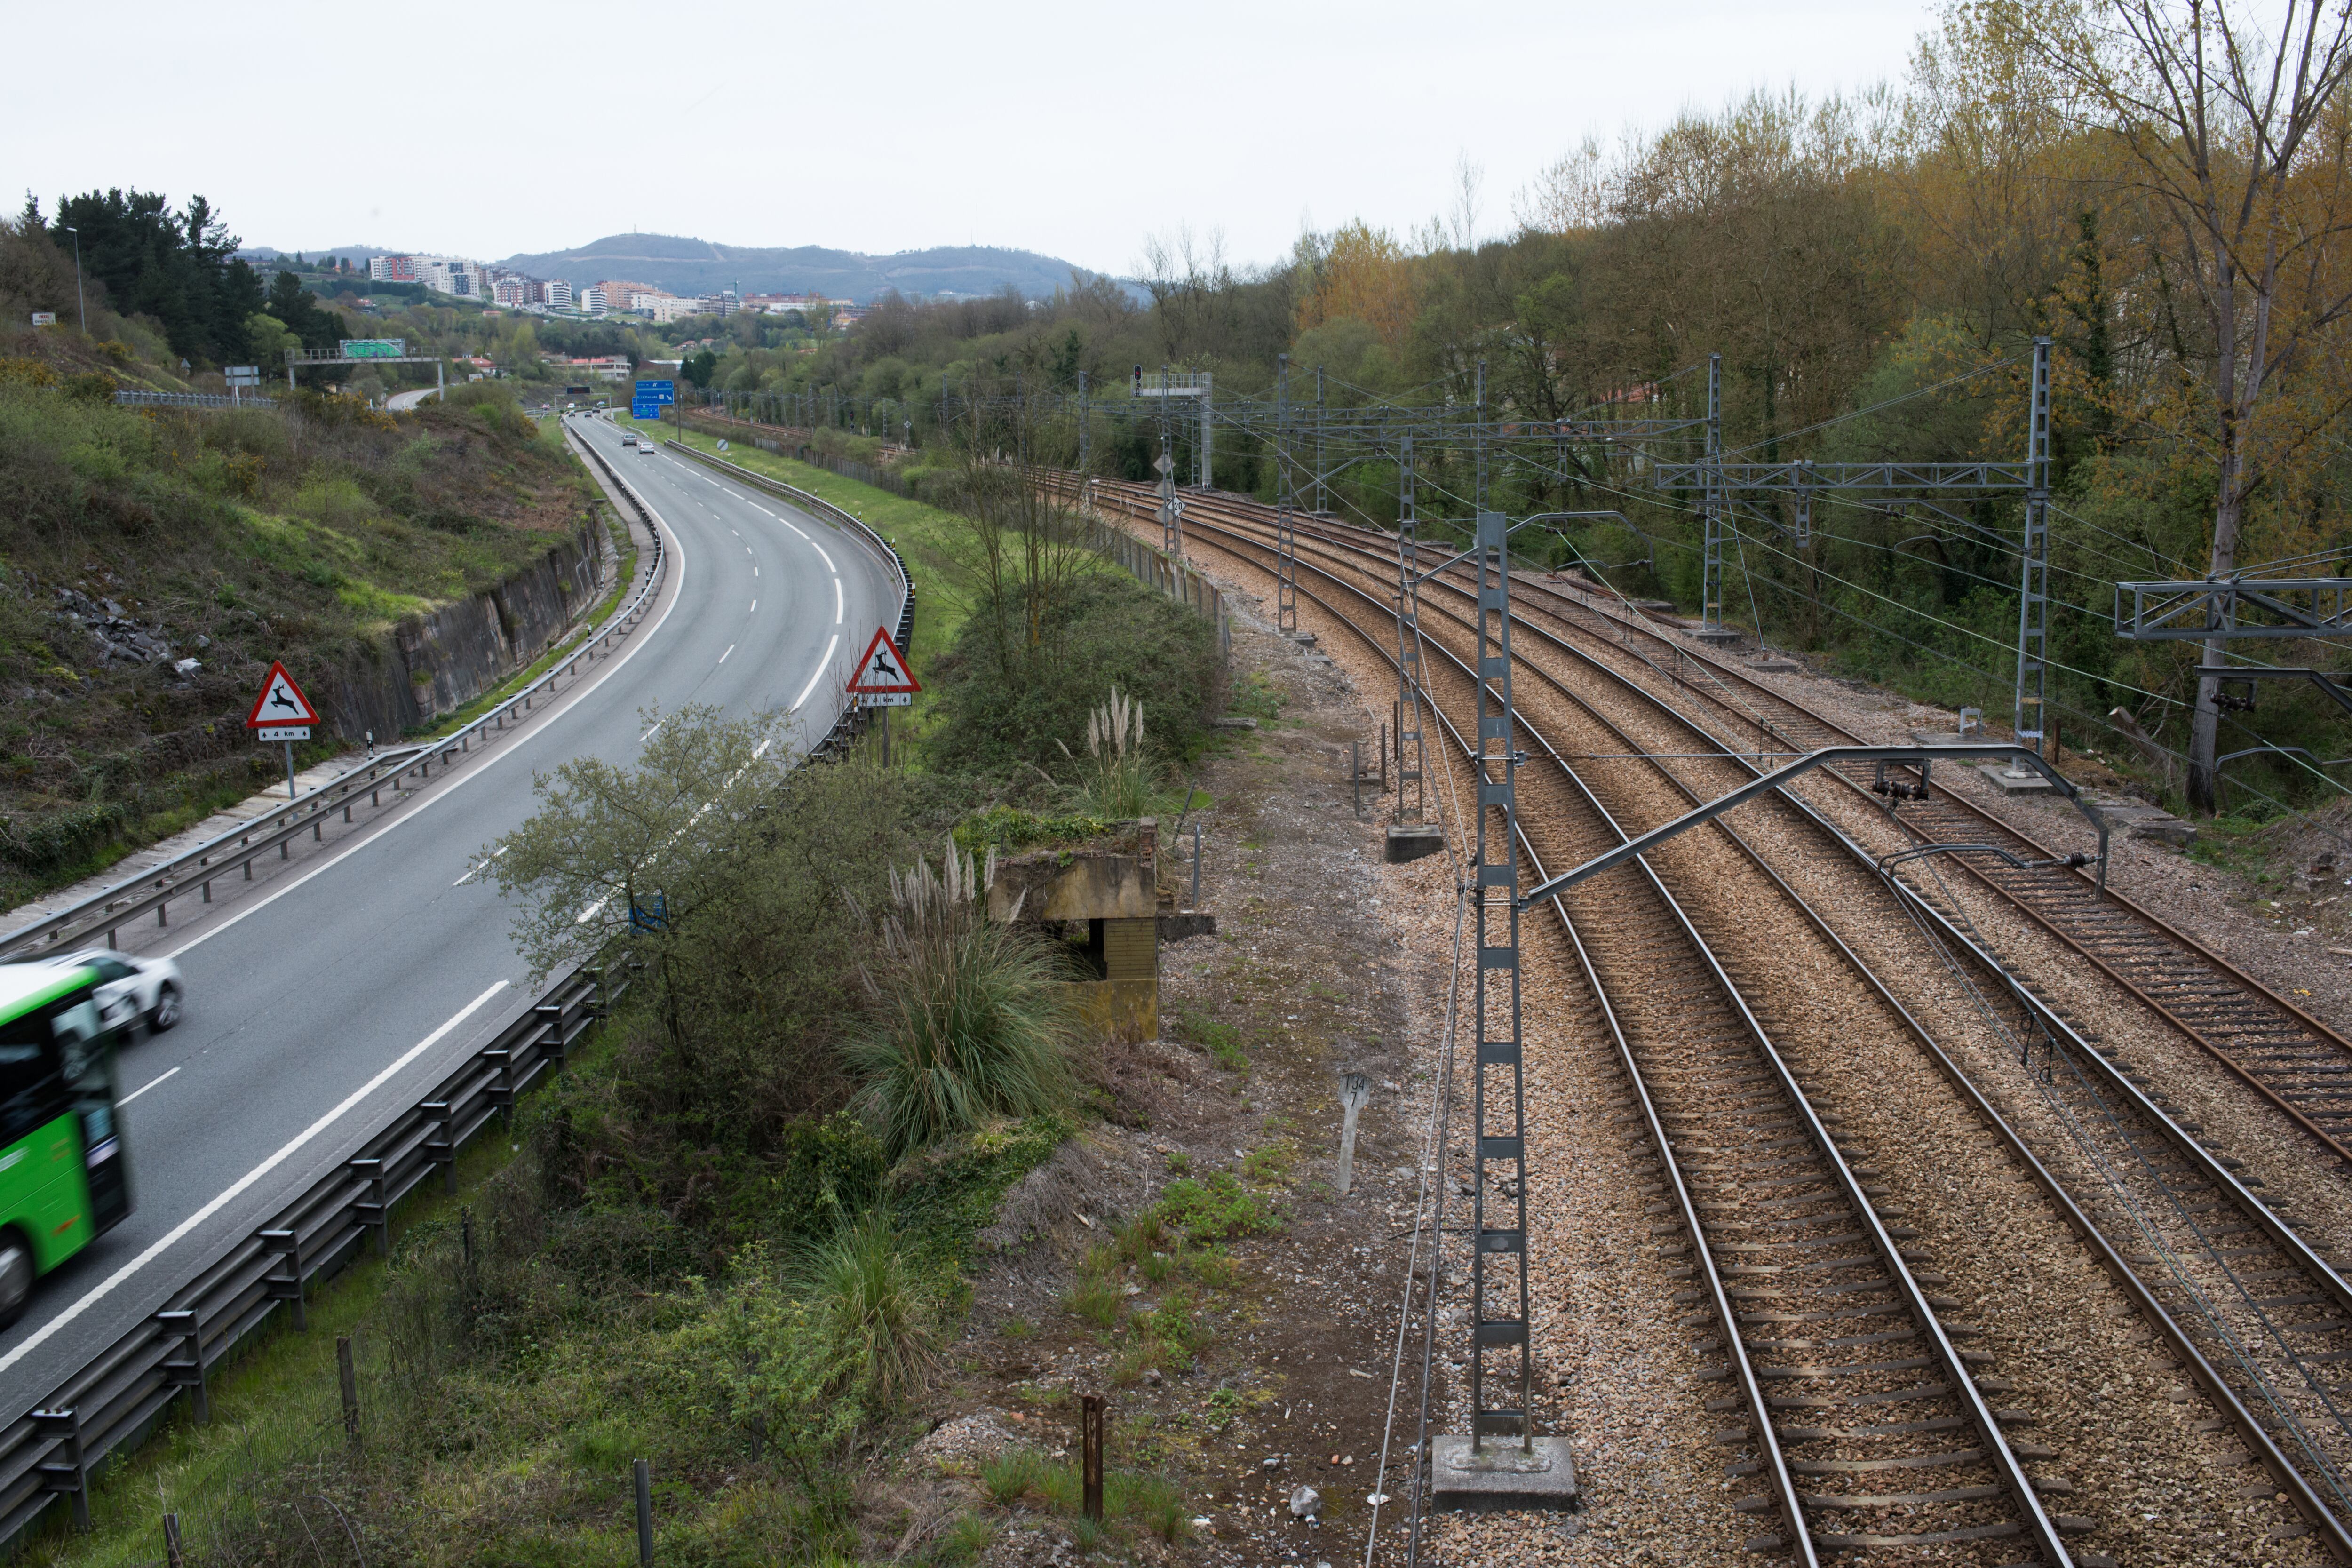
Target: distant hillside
x,y
700,267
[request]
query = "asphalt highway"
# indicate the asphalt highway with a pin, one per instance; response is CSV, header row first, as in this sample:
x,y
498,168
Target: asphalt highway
x,y
334,991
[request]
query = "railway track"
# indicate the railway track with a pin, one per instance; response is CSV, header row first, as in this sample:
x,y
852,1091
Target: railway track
x,y
2265,1323
2292,1060
1864,1430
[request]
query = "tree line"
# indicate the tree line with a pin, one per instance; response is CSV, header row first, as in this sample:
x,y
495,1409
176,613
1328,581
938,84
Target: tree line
x,y
2159,189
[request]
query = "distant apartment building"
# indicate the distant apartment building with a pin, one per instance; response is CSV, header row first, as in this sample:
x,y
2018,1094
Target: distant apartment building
x,y
468,279
616,293
595,299
612,367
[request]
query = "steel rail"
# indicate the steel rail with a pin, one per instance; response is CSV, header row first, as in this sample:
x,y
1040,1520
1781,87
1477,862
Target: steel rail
x,y
191,872
2004,1460
2256,992
2155,925
2288,1476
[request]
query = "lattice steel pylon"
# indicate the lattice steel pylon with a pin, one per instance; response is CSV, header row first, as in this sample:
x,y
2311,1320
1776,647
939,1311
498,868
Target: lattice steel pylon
x,y
1498,1117
1285,544
1412,801
1711,570
1172,509
2033,562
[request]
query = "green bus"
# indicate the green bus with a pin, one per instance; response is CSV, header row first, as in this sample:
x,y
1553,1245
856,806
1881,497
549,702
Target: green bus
x,y
64,1178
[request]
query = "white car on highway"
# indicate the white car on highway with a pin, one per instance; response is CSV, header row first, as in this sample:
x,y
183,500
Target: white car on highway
x,y
149,988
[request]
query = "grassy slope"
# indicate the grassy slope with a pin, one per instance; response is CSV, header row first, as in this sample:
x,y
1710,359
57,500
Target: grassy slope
x,y
237,538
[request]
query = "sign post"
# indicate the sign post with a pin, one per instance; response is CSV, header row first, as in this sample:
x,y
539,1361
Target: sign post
x,y
283,714
883,680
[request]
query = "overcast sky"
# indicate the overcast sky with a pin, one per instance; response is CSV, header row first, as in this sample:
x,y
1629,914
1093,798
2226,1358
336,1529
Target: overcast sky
x,y
1072,130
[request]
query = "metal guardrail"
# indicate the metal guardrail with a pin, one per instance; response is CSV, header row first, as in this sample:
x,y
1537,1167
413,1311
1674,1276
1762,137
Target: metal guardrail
x,y
832,513
134,398
191,873
117,1397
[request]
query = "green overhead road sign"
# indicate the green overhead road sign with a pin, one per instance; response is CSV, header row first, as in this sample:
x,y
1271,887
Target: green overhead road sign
x,y
374,348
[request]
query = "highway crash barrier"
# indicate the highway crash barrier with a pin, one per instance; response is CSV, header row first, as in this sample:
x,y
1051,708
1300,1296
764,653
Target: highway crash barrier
x,y
108,1405
852,720
191,873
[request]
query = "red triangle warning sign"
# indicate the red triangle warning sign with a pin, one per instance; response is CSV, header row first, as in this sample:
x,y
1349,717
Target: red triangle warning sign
x,y
280,702
883,670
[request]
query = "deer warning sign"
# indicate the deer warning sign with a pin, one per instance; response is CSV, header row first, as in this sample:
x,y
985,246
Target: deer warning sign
x,y
281,712
883,680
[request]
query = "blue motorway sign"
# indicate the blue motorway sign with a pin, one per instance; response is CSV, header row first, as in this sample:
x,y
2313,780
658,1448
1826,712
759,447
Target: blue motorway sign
x,y
646,401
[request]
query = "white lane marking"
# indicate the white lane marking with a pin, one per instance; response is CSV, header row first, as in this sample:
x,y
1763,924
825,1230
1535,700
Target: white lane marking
x,y
143,1088
584,916
636,640
478,867
755,571
820,550
788,522
736,532
831,643
649,734
722,658
761,748
755,610
156,1249
836,601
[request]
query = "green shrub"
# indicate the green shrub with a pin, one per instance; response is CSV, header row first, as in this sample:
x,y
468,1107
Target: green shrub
x,y
1006,697
1009,828
875,1321
1096,1298
1155,1501
1216,1208
1013,1473
967,1025
1115,776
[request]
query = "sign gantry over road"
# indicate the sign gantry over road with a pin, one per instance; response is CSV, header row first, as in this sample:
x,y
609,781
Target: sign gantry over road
x,y
883,680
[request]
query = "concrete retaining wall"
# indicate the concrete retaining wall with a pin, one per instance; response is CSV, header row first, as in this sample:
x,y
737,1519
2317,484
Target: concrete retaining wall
x,y
436,664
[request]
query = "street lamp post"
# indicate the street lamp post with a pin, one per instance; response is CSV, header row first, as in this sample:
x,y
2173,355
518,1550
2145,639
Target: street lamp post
x,y
81,302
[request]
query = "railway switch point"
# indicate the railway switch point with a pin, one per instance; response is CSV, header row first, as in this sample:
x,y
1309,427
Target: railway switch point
x,y
1411,842
1499,1475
